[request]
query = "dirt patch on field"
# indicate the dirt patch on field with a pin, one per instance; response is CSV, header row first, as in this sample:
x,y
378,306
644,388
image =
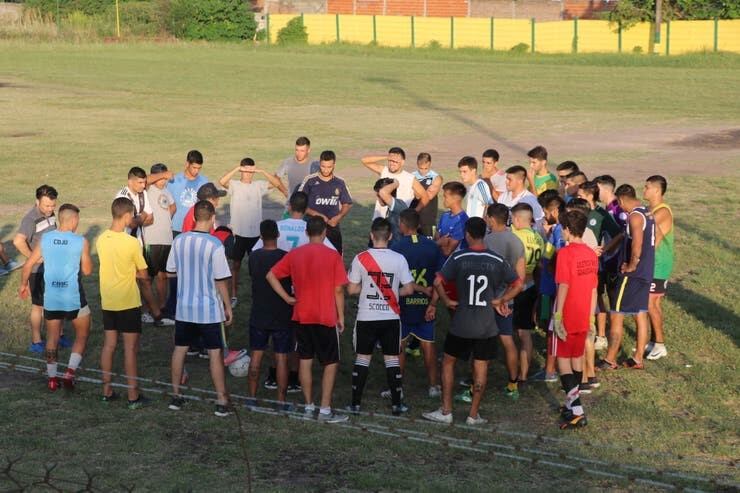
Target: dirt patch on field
x,y
727,139
16,135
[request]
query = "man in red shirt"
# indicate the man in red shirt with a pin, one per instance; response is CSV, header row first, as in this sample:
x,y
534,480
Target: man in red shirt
x,y
576,274
318,277
207,192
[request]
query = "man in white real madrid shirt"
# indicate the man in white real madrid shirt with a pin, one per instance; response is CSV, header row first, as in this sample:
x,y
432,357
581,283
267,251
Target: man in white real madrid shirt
x,y
379,275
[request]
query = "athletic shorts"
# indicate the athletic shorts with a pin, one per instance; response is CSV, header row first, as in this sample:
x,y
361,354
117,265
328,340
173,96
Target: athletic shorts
x,y
524,309
317,341
67,315
631,296
36,283
572,347
123,320
505,324
156,258
283,340
385,332
208,336
242,246
659,286
462,347
610,281
423,331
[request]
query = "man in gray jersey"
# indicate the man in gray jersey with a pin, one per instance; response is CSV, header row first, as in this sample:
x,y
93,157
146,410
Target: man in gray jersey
x,y
486,284
297,167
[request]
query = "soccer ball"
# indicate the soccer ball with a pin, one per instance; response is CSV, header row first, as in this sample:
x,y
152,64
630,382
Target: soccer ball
x,y
240,367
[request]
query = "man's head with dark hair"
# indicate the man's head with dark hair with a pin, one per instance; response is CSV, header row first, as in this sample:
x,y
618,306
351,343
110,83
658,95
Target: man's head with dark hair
x,y
328,156
627,197
382,182
194,157
453,192
136,179
302,149
396,158
380,230
573,181
516,177
659,182
552,205
607,180
303,141
606,184
269,230
68,216
522,215
538,160
247,161
409,221
564,169
327,162
589,191
315,226
488,161
424,157
121,207
158,168
491,153
193,164
578,205
574,223
498,213
203,211
46,200
538,152
424,163
475,229
210,192
298,202
546,196
468,168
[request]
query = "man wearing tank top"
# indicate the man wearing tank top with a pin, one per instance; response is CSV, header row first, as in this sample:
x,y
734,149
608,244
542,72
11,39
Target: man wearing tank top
x,y
408,187
655,188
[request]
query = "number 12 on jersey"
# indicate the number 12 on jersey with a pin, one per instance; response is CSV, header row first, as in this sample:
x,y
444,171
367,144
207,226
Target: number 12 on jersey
x,y
477,285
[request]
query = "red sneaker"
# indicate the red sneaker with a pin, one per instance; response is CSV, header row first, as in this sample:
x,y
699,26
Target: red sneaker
x,y
54,384
69,379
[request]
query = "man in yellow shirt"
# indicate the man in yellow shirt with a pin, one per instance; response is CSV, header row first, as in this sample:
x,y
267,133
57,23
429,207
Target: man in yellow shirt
x,y
121,263
524,303
538,177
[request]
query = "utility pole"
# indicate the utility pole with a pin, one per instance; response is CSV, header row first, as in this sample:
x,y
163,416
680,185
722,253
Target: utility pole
x,y
658,22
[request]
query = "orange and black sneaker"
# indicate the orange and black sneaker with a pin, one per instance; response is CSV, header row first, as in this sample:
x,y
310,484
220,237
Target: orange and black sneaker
x,y
574,421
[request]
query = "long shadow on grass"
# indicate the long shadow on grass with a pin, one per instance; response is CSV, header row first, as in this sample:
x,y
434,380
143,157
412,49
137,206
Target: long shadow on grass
x,y
706,311
708,236
395,86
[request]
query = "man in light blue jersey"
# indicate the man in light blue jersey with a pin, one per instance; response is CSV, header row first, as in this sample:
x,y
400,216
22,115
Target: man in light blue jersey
x,y
66,257
184,188
478,196
203,275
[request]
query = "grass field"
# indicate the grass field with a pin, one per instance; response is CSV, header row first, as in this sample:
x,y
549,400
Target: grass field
x,y
78,116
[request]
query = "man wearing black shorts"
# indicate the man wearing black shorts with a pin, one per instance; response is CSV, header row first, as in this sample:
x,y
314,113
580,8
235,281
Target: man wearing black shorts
x,y
479,275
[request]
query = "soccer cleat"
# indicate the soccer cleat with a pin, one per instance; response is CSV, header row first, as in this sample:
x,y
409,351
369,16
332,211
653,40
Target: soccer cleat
x,y
222,410
475,420
270,384
601,343
250,403
230,355
464,396
164,322
400,409
294,388
286,407
465,382
604,365
37,347
435,391
140,402
584,388
648,348
64,342
53,384
113,396
574,422
633,364
659,351
332,418
146,318
234,301
513,394
176,403
438,416
353,409
543,376
69,379
594,382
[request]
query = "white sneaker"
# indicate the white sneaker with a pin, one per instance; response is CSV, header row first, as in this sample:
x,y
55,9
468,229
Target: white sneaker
x,y
435,391
601,343
438,416
234,301
648,348
163,322
475,421
146,318
659,351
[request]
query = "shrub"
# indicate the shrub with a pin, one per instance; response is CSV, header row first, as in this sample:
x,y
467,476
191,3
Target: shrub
x,y
211,20
294,32
520,48
434,45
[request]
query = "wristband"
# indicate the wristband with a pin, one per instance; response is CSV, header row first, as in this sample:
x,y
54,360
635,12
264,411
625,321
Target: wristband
x,y
558,316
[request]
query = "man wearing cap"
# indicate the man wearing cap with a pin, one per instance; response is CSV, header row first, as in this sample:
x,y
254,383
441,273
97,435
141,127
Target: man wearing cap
x,y
207,192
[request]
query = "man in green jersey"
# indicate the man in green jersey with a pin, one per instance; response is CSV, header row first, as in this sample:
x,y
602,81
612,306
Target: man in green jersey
x,y
538,177
655,188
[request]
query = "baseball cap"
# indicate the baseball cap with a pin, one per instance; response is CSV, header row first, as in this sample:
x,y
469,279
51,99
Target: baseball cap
x,y
158,168
209,191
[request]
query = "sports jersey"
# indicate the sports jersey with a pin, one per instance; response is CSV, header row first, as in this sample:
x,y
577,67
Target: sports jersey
x,y
33,226
160,231
393,214
188,222
292,235
602,224
141,204
453,225
245,207
510,200
548,181
199,260
664,250
477,198
405,190
316,271
121,256
428,215
479,275
555,241
269,310
296,172
578,267
646,265
617,213
380,272
185,193
534,246
424,260
62,252
325,197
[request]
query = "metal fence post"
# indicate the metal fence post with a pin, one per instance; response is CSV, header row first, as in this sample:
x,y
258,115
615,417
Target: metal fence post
x,y
619,37
668,37
452,32
375,31
337,22
413,33
533,34
716,34
492,33
575,35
